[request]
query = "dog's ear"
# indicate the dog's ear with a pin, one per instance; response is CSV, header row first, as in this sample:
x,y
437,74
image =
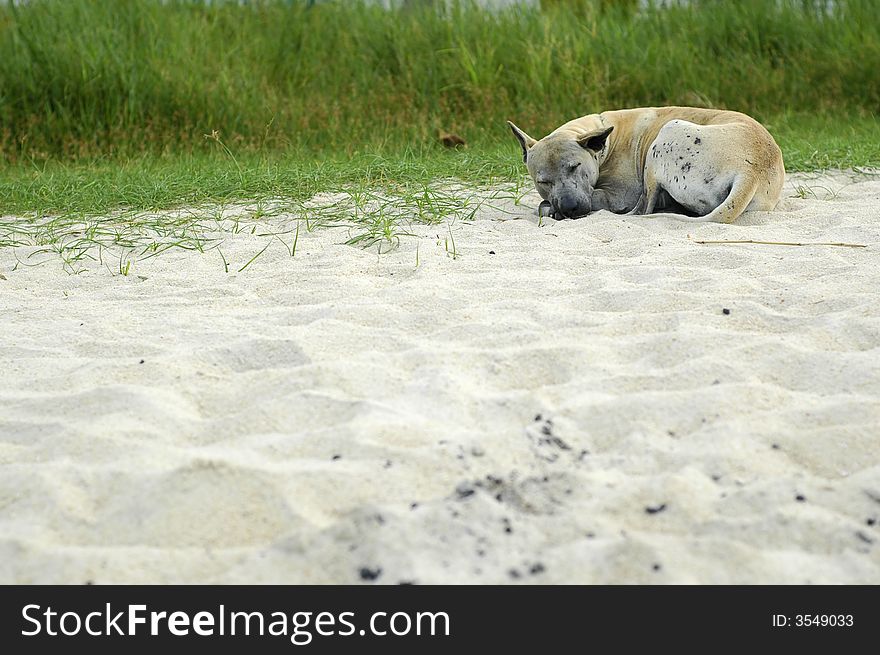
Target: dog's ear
x,y
524,139
595,140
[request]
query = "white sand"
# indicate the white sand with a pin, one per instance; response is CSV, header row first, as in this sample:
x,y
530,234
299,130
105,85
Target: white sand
x,y
213,460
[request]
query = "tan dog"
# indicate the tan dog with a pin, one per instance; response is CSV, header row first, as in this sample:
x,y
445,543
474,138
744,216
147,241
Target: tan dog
x,y
711,165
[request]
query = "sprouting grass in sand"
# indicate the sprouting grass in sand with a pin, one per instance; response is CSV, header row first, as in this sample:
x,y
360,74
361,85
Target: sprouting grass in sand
x,y
372,216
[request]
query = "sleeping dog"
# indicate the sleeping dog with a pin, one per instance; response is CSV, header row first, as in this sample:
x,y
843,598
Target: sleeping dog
x,y
703,164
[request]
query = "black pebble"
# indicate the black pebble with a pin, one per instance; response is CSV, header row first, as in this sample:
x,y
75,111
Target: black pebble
x,y
491,252
725,311
871,522
141,362
800,498
655,510
370,574
536,568
335,457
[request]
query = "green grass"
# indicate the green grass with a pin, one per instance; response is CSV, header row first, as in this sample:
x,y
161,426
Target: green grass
x,y
80,78
151,182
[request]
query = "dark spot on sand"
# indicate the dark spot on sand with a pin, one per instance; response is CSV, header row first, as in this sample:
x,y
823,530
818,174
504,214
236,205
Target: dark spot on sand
x,y
370,574
697,141
656,509
387,464
406,582
335,457
491,252
871,522
89,582
513,573
861,535
463,491
774,446
536,568
538,417
656,567
413,505
800,498
716,478
507,527
725,311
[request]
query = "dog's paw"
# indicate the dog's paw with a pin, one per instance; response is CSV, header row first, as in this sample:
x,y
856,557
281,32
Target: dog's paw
x,y
545,210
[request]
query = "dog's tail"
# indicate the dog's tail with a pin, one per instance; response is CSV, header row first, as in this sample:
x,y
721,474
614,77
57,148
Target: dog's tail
x,y
741,193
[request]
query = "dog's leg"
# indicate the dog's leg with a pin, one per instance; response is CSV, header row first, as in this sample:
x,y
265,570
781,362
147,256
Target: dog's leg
x,y
741,193
652,190
639,209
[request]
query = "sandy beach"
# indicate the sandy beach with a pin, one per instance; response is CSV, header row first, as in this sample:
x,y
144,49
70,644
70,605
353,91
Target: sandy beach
x,y
493,401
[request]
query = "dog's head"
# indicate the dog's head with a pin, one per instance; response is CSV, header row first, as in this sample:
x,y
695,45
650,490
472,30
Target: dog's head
x,y
565,167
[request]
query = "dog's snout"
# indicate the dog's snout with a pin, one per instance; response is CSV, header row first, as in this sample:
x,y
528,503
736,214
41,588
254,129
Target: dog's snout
x,y
570,207
566,205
